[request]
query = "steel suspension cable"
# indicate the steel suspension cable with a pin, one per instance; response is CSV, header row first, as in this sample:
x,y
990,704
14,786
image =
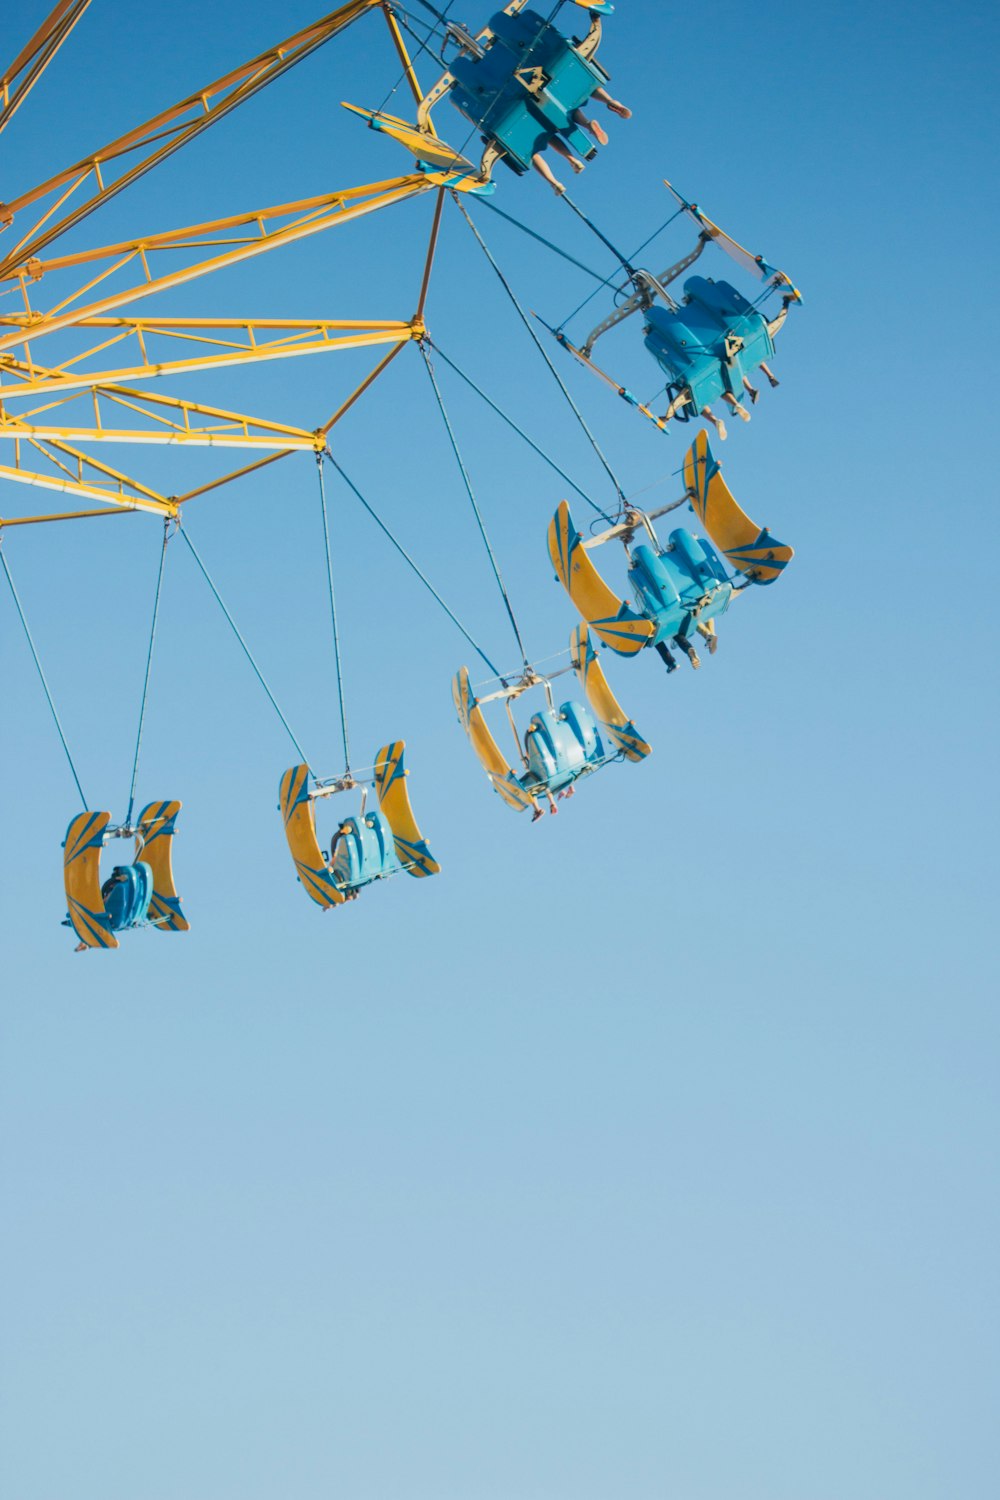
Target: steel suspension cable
x,y
149,664
41,674
556,249
409,561
333,614
520,432
475,506
545,355
246,649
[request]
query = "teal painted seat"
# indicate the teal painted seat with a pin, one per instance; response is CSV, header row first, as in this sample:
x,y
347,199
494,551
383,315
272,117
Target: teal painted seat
x,y
680,586
525,88
363,850
561,746
126,895
707,345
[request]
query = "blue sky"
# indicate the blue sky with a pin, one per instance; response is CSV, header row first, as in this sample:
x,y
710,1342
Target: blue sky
x,y
651,1150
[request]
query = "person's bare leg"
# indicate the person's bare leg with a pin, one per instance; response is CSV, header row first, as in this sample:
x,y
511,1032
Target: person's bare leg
x,y
542,167
707,631
615,105
770,375
597,131
561,147
731,400
710,416
751,391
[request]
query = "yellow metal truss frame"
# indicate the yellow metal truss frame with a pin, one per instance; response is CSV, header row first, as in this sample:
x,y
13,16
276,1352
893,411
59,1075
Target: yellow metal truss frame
x,y
230,341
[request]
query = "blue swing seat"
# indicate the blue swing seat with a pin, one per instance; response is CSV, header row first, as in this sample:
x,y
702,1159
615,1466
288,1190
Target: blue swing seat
x,y
127,895
364,851
709,343
679,587
562,746
525,88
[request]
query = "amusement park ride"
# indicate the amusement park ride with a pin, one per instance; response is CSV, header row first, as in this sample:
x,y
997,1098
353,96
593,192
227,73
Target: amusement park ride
x,y
522,86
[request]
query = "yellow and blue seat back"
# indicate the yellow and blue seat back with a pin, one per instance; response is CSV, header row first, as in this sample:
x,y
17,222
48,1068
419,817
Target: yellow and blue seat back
x,y
609,617
618,727
394,800
488,752
525,88
299,819
82,878
749,548
154,842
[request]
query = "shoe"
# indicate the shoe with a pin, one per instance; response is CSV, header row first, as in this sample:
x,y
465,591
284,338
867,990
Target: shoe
x,y
754,395
694,659
713,644
774,383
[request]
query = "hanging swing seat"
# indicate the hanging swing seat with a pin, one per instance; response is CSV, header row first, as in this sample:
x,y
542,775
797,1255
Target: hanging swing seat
x,y
524,88
708,344
141,894
374,845
560,744
750,549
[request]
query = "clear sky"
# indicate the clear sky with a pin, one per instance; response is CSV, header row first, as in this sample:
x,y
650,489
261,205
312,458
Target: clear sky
x,y
650,1151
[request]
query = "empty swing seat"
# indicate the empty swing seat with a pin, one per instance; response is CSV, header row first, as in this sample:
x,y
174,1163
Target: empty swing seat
x,y
525,88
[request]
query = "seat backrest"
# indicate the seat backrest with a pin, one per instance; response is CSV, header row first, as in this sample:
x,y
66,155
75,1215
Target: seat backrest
x,y
364,850
127,901
560,743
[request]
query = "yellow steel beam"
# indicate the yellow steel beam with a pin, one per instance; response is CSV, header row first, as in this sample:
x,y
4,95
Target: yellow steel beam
x,y
394,190
163,134
34,57
405,59
195,438
30,379
67,486
65,515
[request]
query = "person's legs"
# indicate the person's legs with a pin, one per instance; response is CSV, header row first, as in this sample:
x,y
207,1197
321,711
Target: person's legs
x,y
740,411
689,651
542,167
664,653
751,391
710,416
597,131
616,107
561,147
707,631
770,375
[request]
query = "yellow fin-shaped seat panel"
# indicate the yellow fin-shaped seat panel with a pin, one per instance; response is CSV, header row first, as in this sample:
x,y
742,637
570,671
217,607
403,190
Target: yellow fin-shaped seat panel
x,y
154,845
619,727
394,800
750,549
470,716
423,145
300,830
618,626
82,879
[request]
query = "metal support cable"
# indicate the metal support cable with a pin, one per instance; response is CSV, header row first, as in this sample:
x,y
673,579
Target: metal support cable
x,y
608,279
409,561
246,649
41,675
333,614
473,502
149,664
520,432
544,353
533,234
626,264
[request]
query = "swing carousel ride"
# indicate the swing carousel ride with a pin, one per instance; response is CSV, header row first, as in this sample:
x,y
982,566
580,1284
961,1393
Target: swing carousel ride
x,y
523,85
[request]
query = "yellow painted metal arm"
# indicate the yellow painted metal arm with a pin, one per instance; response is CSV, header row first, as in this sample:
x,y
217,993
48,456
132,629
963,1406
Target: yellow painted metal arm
x,y
154,845
754,264
394,800
32,60
750,549
470,716
300,831
82,878
602,700
617,625
165,133
425,145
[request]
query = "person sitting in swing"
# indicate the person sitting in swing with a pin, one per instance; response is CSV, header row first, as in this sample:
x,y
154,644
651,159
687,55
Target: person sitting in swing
x,y
597,131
